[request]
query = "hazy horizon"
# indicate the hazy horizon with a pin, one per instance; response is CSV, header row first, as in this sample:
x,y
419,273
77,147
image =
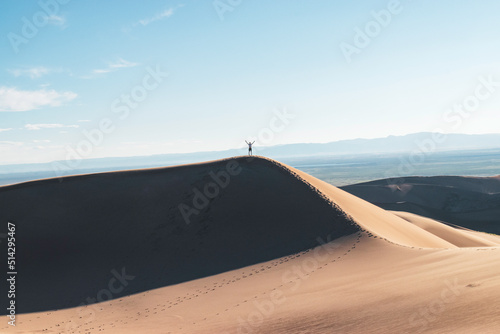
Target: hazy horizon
x,y
419,143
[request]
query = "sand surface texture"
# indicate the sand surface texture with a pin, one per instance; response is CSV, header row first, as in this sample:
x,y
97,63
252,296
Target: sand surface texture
x,y
266,249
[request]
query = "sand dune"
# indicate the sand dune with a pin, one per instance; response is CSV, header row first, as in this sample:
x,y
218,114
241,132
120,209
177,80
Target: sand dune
x,y
252,260
473,202
457,237
379,222
77,230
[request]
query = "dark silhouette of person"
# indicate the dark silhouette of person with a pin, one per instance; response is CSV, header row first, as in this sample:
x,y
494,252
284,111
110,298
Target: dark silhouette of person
x,y
250,147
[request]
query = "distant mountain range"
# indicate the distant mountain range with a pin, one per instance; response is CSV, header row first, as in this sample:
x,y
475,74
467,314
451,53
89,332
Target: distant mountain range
x,y
424,141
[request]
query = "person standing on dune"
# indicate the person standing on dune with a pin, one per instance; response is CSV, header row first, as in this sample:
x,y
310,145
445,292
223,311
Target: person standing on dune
x,y
250,147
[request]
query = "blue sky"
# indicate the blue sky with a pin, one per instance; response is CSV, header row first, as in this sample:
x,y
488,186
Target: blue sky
x,y
225,69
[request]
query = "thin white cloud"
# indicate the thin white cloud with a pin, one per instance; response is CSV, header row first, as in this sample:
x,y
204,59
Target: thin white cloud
x,y
161,15
3,130
48,126
157,17
122,63
114,66
33,72
57,20
42,141
102,71
12,99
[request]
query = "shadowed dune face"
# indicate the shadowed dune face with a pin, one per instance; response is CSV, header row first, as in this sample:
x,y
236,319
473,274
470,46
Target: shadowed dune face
x,y
76,235
472,202
116,234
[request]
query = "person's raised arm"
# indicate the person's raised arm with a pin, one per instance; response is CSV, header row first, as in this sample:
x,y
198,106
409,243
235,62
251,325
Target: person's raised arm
x,y
246,142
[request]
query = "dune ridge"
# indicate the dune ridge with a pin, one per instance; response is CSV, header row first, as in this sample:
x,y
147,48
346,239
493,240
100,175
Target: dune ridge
x,y
80,228
275,242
